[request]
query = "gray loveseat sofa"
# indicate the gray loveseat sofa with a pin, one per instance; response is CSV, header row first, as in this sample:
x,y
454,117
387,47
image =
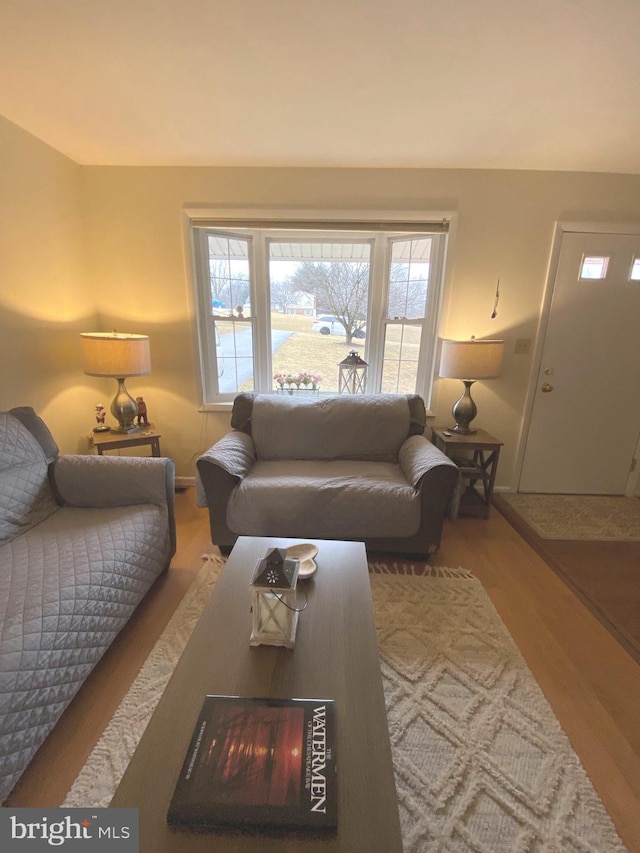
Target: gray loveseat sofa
x,y
343,467
82,538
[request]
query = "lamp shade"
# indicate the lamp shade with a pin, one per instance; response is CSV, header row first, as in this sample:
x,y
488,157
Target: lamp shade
x,y
115,354
471,359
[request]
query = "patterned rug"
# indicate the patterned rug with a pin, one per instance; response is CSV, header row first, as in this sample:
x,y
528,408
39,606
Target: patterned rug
x,y
599,517
481,762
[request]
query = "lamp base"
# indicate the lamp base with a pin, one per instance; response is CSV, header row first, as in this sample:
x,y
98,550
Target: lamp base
x,y
462,430
124,408
464,410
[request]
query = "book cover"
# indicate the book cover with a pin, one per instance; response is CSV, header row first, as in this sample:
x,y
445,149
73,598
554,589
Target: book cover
x,y
259,762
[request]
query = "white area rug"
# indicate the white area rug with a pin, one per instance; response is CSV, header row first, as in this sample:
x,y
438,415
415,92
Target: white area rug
x,y
598,517
481,762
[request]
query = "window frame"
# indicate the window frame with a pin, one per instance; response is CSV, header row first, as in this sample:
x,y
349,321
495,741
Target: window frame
x,y
430,321
260,227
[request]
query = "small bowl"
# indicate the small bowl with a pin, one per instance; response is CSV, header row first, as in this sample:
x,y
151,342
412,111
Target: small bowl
x,y
305,552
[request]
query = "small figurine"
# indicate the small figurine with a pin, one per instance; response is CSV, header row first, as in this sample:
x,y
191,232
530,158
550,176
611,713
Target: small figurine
x,y
101,414
141,417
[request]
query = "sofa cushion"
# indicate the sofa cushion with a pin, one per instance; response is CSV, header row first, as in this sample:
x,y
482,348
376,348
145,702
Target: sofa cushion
x,y
345,427
324,500
25,497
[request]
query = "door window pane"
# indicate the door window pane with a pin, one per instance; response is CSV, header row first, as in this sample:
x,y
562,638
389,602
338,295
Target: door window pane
x,y
593,267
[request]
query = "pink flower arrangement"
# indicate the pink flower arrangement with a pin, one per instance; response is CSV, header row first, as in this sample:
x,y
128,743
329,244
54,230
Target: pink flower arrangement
x,y
295,380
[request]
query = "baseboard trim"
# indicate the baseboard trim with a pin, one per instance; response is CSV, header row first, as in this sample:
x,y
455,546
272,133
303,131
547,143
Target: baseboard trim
x,y
183,482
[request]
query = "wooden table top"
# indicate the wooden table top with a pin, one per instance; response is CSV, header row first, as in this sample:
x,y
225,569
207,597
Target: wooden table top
x,y
335,657
479,439
145,434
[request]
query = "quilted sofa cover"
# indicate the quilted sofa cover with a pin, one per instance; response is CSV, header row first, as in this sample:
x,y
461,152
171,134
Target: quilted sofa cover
x,y
82,538
341,467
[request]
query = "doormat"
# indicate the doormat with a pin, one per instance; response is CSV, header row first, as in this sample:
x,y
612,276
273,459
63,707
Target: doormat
x,y
599,517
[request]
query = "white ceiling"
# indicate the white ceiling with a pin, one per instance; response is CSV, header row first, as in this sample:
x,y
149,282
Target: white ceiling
x,y
516,84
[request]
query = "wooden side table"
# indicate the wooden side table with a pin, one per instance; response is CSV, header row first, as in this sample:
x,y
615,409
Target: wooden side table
x,y
476,455
114,440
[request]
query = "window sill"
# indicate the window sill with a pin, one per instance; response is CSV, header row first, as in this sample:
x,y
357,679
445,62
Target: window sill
x,y
216,407
228,406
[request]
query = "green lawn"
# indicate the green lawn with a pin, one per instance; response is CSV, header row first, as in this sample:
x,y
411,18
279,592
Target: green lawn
x,y
311,352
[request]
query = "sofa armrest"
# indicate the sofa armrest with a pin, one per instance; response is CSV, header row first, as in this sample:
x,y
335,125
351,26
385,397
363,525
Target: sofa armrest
x,y
418,456
220,470
435,476
109,481
234,454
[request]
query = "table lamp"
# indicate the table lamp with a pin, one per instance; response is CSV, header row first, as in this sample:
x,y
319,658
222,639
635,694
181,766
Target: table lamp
x,y
117,355
469,361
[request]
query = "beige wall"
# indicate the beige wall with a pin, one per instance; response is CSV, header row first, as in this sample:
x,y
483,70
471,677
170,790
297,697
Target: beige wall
x,y
505,229
136,276
45,299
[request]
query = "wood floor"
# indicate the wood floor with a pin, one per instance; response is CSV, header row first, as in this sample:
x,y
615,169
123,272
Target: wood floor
x,y
590,681
604,575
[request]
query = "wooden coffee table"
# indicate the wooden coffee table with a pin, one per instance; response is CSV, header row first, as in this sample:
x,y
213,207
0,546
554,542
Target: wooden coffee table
x,y
335,657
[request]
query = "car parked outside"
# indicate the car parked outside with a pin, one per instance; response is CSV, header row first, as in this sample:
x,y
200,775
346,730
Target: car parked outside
x,y
332,326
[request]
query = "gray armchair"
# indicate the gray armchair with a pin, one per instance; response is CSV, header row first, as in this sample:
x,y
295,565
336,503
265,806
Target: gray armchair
x,y
343,467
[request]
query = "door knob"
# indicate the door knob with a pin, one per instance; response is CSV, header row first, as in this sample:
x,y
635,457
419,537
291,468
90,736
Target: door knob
x,y
546,388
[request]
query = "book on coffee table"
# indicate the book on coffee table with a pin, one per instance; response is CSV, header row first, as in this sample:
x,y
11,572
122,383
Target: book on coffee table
x,y
259,762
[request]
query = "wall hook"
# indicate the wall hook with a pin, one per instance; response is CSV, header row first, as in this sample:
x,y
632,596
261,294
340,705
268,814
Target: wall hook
x,y
494,313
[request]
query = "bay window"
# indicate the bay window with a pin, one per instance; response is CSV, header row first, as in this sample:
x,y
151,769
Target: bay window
x,y
278,308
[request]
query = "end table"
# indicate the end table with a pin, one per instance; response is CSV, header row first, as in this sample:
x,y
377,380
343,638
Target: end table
x,y
114,440
468,452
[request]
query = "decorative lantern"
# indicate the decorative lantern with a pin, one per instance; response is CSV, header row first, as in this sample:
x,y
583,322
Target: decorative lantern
x,y
352,374
273,591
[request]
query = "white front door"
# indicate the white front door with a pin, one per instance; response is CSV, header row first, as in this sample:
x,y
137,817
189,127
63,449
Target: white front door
x,y
585,419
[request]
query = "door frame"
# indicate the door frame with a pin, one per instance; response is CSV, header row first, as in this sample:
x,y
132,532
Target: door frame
x,y
560,229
